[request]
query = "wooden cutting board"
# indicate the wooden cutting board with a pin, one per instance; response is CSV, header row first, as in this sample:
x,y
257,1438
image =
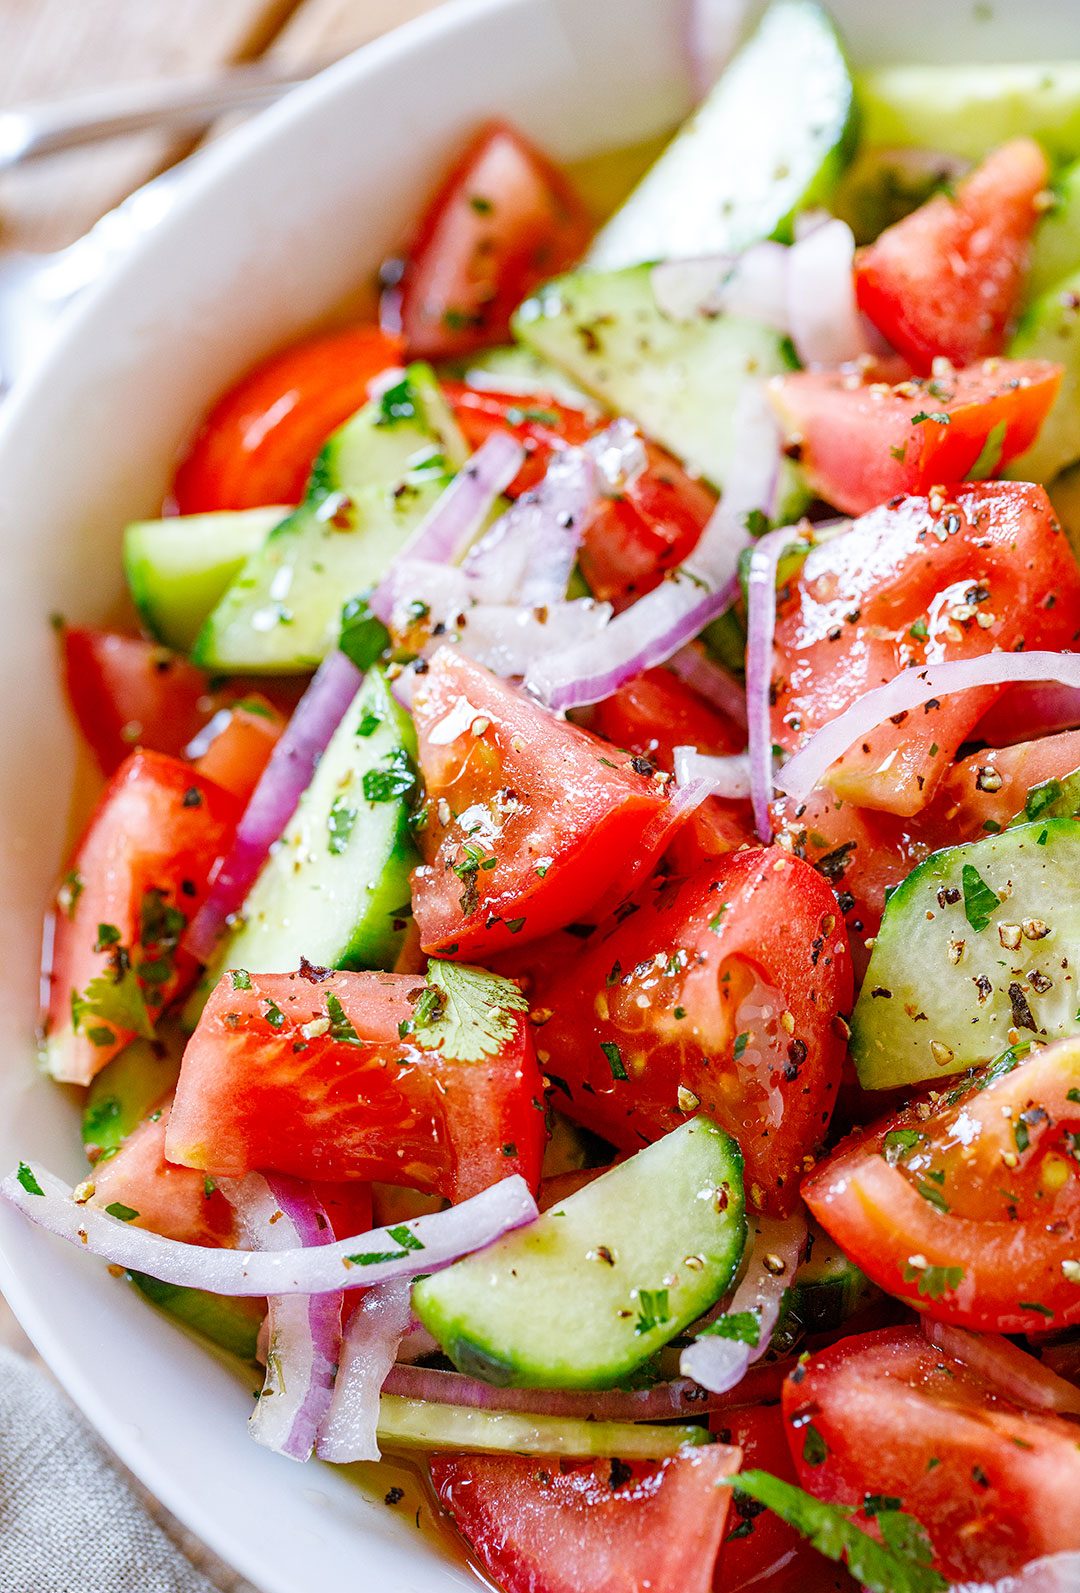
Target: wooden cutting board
x,y
50,48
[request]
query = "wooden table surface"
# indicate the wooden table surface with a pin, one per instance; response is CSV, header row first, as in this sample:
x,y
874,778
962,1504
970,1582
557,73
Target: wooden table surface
x,y
49,48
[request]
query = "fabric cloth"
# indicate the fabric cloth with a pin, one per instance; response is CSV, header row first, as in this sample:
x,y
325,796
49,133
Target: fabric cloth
x,y
70,1520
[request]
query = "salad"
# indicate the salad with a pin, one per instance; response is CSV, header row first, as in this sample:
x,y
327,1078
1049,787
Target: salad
x,y
574,969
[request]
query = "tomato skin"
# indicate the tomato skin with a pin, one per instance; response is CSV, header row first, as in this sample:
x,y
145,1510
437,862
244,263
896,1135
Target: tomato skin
x,y
759,917
258,443
549,1526
502,222
125,691
1010,1217
1004,1488
990,569
859,448
760,1550
385,1108
151,843
560,814
240,751
963,800
946,280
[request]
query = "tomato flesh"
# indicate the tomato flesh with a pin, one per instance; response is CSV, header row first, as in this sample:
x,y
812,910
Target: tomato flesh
x,y
861,444
889,1414
258,1090
258,443
909,584
177,1202
529,820
503,221
968,1206
549,1526
139,874
240,749
947,279
718,992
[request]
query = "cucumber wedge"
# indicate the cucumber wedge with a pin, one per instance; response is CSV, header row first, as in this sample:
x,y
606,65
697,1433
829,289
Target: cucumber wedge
x,y
1050,330
122,1094
969,109
771,138
978,949
423,1424
232,1325
828,1288
590,1290
678,380
335,889
374,481
177,569
1055,248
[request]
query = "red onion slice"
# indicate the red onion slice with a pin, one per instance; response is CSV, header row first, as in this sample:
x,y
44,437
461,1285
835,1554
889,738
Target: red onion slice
x,y
761,628
909,690
304,1331
723,777
420,1245
455,518
1053,1573
511,640
1019,1376
823,317
719,1363
273,802
374,1333
697,670
753,284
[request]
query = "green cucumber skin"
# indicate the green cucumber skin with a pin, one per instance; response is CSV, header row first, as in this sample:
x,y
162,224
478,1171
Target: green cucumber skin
x,y
123,1093
1055,247
791,83
179,568
545,1307
969,109
1049,329
232,1325
338,911
914,992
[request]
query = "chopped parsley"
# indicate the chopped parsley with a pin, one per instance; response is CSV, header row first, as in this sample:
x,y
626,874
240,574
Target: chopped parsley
x,y
274,1015
653,1309
340,1026
898,1142
933,1282
397,778
614,1059
405,1238
470,1014
339,825
124,1213
741,1042
989,459
744,1326
26,1178
919,631
940,415
369,724
241,979
107,935
980,902
364,638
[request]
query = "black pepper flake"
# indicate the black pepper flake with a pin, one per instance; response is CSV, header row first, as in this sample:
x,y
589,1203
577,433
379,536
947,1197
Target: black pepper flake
x,y
621,1474
1022,1015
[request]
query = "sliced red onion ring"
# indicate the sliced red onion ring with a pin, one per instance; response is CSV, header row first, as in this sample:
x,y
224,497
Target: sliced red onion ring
x,y
303,1331
711,32
446,531
510,640
1019,1376
1053,1573
273,802
752,284
723,777
760,630
909,690
823,317
372,1339
420,1245
719,1363
697,670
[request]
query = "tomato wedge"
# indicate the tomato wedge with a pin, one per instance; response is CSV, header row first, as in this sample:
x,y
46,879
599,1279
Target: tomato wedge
x,y
947,279
918,581
539,1526
529,820
861,444
541,424
718,992
174,1201
320,1075
968,1205
240,745
139,873
889,1415
503,221
258,443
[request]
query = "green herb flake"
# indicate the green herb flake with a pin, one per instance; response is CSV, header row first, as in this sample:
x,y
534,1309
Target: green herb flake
x,y
932,1194
274,1015
26,1178
933,1283
614,1059
364,638
403,1236
398,403
240,978
71,888
741,1042
919,631
815,1451
743,1326
1021,1135
941,416
980,902
369,724
339,824
397,778
107,935
989,458
473,1013
898,1142
123,1213
119,1002
714,922
653,1310
340,1026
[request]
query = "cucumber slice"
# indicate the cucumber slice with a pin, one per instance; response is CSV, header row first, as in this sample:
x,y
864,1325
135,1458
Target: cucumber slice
x,y
1055,248
423,1424
1064,493
969,109
1050,330
1051,799
590,1290
232,1325
977,949
177,569
335,889
123,1093
880,188
771,138
374,481
828,1288
678,380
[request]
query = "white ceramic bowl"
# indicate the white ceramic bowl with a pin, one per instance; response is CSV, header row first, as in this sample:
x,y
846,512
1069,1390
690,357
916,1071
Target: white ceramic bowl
x,y
274,226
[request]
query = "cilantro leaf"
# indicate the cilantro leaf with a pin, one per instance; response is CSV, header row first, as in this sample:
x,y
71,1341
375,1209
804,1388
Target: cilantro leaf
x,y
475,1017
898,1565
933,1282
119,1002
980,902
